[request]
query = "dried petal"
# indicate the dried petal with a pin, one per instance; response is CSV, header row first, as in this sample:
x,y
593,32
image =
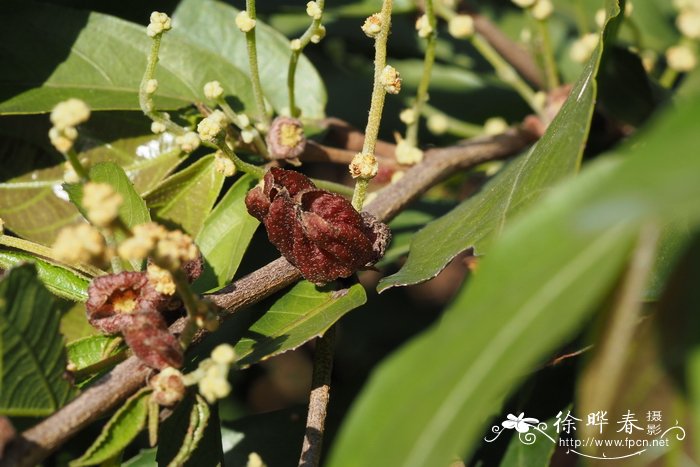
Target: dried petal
x,y
317,231
148,337
113,299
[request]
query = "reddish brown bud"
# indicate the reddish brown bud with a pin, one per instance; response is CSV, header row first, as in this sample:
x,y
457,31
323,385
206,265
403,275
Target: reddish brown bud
x,y
113,299
193,268
168,387
317,231
286,139
148,337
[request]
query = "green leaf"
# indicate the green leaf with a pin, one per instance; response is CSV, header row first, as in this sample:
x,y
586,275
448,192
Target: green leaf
x,y
275,436
191,436
185,198
120,430
211,25
225,236
101,60
475,222
133,211
534,290
31,347
34,204
60,281
526,451
88,351
145,458
301,314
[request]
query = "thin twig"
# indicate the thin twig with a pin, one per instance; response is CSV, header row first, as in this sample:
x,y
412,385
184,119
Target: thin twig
x,y
318,400
39,441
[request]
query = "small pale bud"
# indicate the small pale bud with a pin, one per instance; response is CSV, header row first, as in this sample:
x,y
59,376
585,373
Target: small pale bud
x,y
391,79
295,45
681,58
495,126
319,34
213,90
210,127
168,387
408,116
423,26
629,8
151,86
60,141
314,10
372,25
542,10
600,17
461,26
438,124
540,99
688,22
161,280
244,22
364,166
583,48
188,142
101,203
398,175
406,154
224,165
69,113
157,127
223,354
248,135
80,244
69,174
160,22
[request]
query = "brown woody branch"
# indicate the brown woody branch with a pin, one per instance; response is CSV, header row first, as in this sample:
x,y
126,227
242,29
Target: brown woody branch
x,y
126,378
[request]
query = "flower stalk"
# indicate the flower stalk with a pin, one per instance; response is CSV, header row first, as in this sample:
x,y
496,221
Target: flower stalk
x,y
253,64
254,170
550,63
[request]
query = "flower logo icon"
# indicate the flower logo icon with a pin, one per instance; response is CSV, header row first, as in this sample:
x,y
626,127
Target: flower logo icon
x,y
520,423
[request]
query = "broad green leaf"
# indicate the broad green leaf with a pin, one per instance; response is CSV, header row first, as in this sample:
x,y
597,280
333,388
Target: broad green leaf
x,y
32,357
191,436
211,25
88,351
479,219
35,206
301,314
100,59
225,236
275,436
60,281
120,430
532,449
538,285
185,198
145,458
133,211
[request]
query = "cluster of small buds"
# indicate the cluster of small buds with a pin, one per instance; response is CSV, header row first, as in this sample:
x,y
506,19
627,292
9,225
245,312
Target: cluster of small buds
x,y
158,127
212,373
151,86
161,280
364,166
168,387
542,9
438,124
688,19
319,34
188,142
244,22
213,90
101,203
144,239
372,25
207,318
407,116
407,154
461,26
390,79
224,165
495,126
160,22
169,249
81,243
210,127
583,47
681,58
314,10
65,116
423,26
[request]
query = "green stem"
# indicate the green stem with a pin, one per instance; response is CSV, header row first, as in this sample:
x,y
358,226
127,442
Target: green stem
x,y
189,300
668,78
146,98
333,187
233,117
253,63
72,158
115,260
377,102
254,170
294,59
455,127
550,63
46,252
422,92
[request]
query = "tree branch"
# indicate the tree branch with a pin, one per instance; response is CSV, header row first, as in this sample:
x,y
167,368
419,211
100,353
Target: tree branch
x,y
39,441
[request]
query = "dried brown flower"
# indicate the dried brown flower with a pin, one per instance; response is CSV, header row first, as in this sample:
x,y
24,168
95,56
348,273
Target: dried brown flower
x,y
149,338
317,231
286,139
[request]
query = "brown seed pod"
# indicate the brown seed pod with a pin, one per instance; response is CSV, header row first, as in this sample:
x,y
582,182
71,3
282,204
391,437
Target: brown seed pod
x,y
317,231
